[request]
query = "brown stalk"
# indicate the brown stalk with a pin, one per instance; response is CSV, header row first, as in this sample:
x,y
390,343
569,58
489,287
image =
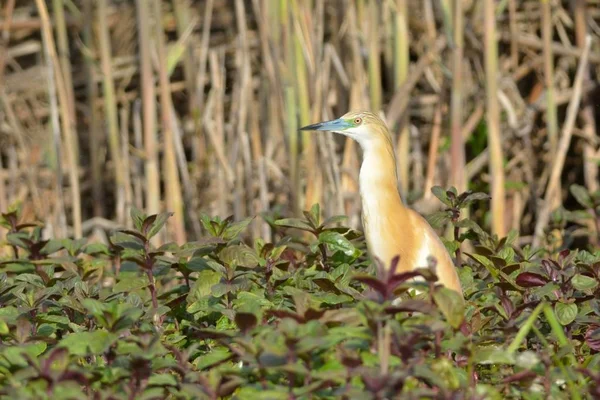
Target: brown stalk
x,y
174,201
124,145
401,62
563,146
493,121
63,55
514,33
547,31
95,133
110,108
590,166
5,38
148,113
457,145
69,135
137,171
432,157
183,11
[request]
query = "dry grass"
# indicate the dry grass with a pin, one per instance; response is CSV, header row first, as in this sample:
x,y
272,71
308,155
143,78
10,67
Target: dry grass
x,y
104,107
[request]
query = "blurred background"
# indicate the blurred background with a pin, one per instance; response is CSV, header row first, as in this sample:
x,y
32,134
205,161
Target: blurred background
x,y
194,107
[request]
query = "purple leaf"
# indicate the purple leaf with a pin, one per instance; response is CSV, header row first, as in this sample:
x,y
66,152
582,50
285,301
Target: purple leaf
x,y
312,314
521,376
285,314
373,283
410,306
402,277
245,321
530,279
508,306
592,337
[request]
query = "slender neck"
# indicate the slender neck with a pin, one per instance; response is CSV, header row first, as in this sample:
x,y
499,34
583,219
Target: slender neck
x,y
378,170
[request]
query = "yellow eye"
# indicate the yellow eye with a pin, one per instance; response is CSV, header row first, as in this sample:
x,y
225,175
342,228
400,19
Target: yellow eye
x,y
357,121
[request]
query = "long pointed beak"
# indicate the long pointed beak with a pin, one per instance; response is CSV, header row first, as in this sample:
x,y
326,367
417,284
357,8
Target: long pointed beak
x,y
333,125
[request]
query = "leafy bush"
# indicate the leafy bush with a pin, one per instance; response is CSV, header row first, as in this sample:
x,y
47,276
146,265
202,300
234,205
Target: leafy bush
x,y
304,317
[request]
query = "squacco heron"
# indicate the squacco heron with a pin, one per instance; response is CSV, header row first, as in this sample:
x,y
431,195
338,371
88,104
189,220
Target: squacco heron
x,y
391,228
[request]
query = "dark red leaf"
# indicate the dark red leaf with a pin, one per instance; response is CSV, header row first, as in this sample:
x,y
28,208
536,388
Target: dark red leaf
x,y
134,233
508,306
312,314
563,254
509,269
520,377
394,265
351,362
402,277
374,383
592,337
229,386
74,376
209,334
285,314
26,225
148,223
530,279
373,283
410,306
55,355
245,321
326,285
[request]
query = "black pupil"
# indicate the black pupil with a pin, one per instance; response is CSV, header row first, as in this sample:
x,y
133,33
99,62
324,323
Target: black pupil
x,y
357,120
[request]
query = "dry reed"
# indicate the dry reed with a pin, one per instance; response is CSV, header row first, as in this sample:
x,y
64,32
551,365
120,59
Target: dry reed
x,y
234,81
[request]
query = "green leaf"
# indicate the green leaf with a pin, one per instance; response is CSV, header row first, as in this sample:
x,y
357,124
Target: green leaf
x,y
162,380
437,219
197,264
131,284
486,262
233,230
565,313
477,196
583,282
239,256
203,285
53,319
451,304
216,356
315,214
251,392
96,248
581,195
336,219
52,246
85,343
3,327
440,193
251,302
470,224
138,217
94,306
158,223
294,223
14,354
493,355
336,241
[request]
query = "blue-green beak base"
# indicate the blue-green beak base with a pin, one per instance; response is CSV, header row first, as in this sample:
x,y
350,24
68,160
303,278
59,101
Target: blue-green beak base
x,y
333,125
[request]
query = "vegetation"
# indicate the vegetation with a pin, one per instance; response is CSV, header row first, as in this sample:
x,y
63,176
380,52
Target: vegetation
x,y
295,318
130,130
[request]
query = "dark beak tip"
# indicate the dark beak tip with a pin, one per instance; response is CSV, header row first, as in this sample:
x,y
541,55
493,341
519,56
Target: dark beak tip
x,y
313,127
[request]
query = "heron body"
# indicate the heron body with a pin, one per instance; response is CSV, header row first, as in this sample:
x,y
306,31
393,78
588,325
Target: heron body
x,y
391,228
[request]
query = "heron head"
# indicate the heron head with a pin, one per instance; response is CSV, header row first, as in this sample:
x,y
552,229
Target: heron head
x,y
362,126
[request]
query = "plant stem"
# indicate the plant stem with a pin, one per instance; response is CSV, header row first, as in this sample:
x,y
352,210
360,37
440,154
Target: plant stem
x,y
458,251
493,120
